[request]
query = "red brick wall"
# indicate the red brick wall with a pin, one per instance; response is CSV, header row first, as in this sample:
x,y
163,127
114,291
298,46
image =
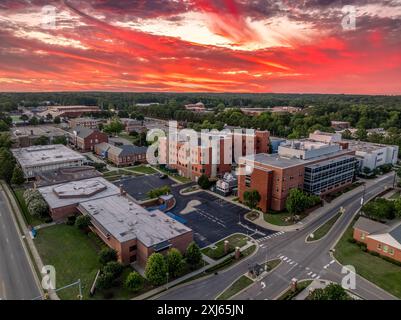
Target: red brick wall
x,y
64,212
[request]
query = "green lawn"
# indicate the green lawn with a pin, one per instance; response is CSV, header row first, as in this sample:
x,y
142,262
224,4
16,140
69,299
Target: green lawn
x,y
289,294
72,253
240,284
29,219
142,169
375,269
396,195
324,229
235,240
175,176
279,218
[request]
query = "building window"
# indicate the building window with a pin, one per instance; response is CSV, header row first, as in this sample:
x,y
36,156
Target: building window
x,y
379,246
385,248
363,236
132,248
391,251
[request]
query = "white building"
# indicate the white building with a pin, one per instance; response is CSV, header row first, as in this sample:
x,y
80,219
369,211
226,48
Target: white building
x,y
37,159
306,149
373,155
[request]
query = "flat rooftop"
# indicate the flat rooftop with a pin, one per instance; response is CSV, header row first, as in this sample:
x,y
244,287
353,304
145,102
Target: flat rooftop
x,y
126,220
366,146
45,130
276,161
65,175
45,155
65,194
304,145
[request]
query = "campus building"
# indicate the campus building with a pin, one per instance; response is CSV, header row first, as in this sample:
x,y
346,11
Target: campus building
x,y
379,238
85,139
26,136
69,111
313,166
212,153
134,232
125,155
84,122
37,159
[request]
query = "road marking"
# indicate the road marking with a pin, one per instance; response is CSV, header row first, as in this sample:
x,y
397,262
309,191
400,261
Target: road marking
x,y
309,273
332,261
285,259
313,275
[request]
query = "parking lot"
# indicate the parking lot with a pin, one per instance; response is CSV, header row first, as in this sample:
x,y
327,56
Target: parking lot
x,y
212,218
138,187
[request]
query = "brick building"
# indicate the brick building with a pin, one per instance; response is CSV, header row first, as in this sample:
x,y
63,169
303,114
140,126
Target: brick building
x,y
134,232
85,139
84,122
69,111
315,167
212,154
379,237
125,155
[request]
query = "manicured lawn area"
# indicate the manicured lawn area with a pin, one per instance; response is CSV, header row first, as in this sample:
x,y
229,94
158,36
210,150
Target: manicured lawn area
x,y
279,218
73,254
270,265
324,229
375,269
289,294
142,169
235,240
236,287
29,219
175,176
396,195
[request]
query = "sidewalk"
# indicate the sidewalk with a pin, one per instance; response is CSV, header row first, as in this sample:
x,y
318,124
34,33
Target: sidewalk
x,y
29,242
211,264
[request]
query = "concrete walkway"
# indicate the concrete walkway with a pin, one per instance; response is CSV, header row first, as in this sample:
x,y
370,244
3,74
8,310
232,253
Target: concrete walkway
x,y
211,263
29,241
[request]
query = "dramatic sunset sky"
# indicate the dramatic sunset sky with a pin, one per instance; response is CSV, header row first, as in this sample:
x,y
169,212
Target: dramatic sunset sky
x,y
200,45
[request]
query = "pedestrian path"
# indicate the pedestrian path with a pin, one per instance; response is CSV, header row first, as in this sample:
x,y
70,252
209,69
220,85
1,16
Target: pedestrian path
x,y
273,235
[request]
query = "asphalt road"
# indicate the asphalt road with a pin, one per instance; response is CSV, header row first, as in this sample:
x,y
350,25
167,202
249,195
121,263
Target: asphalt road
x,y
17,281
300,260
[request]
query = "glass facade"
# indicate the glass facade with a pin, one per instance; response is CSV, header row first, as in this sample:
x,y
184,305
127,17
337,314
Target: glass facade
x,y
329,175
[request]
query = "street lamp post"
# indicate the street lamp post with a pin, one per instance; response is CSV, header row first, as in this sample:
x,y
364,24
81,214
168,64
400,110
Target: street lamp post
x,y
167,280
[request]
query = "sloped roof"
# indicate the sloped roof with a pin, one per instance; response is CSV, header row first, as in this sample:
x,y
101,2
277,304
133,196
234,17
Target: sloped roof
x,y
82,132
370,226
127,150
396,233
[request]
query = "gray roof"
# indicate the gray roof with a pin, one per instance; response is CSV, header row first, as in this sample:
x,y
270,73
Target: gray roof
x,y
370,226
82,132
127,150
396,233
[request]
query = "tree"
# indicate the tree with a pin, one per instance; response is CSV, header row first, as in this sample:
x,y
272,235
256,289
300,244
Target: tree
x,y
252,198
397,207
156,269
193,254
134,282
18,176
204,182
105,281
5,141
3,126
33,121
24,117
83,222
7,164
31,194
175,262
155,193
115,126
399,172
41,141
113,267
296,201
49,117
332,292
107,255
380,209
38,207
57,120
60,140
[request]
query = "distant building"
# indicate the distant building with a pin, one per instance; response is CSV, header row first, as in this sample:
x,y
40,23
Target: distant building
x,y
254,111
69,111
26,136
379,238
85,139
340,125
285,109
131,125
84,122
196,107
374,155
227,184
124,155
38,159
275,143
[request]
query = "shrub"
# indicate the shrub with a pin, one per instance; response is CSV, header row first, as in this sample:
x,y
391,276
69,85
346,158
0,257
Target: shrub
x,y
105,281
134,282
156,269
204,182
351,240
71,220
374,253
82,222
31,194
107,255
193,254
113,267
38,207
175,262
159,191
